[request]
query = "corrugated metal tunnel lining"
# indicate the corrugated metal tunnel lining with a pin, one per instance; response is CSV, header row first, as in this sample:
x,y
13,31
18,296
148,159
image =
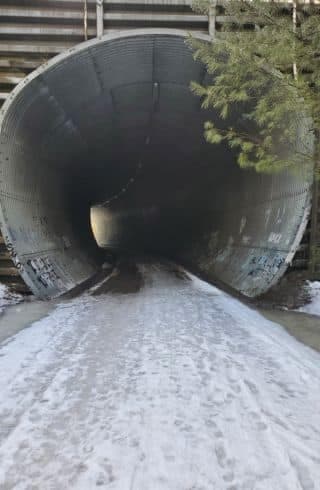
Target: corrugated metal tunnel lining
x,y
112,126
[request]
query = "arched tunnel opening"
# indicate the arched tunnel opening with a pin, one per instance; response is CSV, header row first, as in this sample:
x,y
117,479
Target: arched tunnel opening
x,y
103,147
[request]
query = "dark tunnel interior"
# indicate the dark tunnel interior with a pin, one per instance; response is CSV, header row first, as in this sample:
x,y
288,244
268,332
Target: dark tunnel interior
x,y
104,145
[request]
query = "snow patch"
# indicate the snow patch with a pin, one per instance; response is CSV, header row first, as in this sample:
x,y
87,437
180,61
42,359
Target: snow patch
x,y
313,307
8,297
202,285
171,388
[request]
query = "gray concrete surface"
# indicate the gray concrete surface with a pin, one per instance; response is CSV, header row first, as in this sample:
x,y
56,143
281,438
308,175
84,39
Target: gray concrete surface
x,y
304,327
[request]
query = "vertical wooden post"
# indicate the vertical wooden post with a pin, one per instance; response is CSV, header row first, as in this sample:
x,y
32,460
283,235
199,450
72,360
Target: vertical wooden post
x,y
314,259
294,21
100,22
212,18
85,19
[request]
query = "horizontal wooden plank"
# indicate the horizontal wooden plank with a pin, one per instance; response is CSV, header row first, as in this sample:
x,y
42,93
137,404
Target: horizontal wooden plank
x,y
34,46
170,3
42,13
164,17
44,30
19,63
78,4
4,95
11,77
9,271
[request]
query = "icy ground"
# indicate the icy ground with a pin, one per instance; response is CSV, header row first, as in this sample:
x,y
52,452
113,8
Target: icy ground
x,y
175,387
314,306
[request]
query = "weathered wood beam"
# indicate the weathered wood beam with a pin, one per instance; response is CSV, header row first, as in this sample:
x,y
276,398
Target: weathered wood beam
x,y
11,77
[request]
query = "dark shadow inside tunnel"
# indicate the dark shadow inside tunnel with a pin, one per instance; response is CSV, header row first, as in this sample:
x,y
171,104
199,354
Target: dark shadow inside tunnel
x,y
165,187
103,147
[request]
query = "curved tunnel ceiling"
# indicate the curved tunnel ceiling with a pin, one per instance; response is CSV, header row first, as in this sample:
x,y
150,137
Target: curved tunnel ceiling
x,y
110,128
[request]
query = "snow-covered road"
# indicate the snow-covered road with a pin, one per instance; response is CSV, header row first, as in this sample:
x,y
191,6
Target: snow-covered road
x,y
175,387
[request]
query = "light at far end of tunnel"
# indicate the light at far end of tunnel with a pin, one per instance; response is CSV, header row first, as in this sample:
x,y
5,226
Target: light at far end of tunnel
x,y
104,227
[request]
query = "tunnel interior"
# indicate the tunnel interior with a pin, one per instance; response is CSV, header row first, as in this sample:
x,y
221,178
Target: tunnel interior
x,y
103,147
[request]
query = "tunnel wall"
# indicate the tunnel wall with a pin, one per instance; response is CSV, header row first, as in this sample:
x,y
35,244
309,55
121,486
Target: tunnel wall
x,y
58,130
258,233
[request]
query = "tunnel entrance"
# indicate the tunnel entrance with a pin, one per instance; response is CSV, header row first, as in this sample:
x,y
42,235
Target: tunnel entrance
x,y
103,147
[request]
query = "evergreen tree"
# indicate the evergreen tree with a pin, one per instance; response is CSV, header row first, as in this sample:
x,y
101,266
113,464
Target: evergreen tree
x,y
264,65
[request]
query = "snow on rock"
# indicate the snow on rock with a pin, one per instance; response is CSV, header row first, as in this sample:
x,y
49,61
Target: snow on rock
x,y
313,307
177,387
8,297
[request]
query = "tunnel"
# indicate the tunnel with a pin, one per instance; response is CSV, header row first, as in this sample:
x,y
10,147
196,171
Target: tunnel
x,y
102,148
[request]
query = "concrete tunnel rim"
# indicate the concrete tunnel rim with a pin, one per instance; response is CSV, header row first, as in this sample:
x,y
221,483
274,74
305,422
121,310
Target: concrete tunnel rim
x,y
86,45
